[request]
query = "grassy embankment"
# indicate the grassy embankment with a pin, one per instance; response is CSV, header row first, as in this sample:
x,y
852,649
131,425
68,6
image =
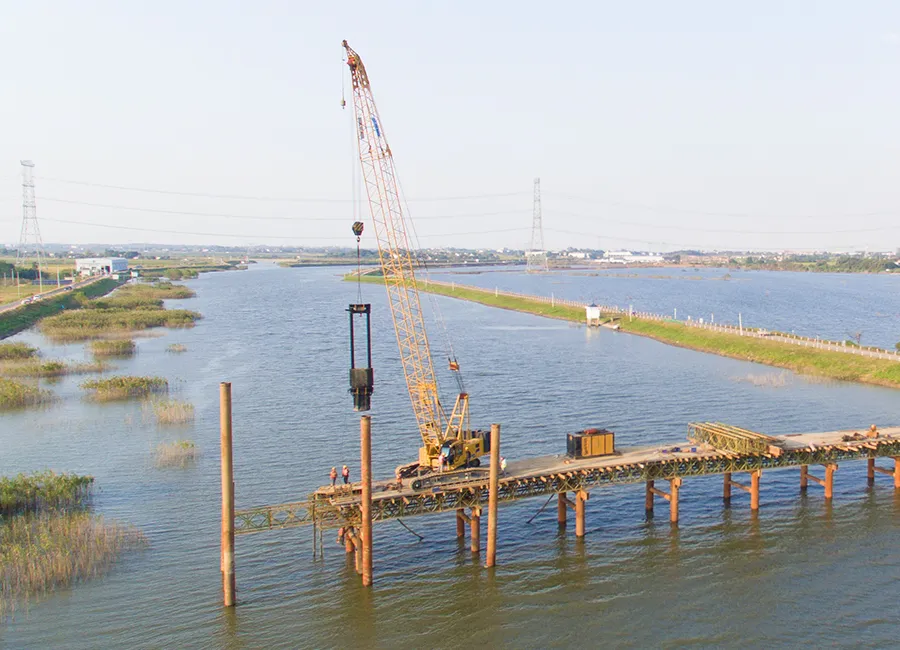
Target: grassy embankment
x,y
48,539
17,320
133,308
809,361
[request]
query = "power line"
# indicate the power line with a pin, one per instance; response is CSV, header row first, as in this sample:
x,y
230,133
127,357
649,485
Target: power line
x,y
479,215
245,197
747,215
255,235
261,218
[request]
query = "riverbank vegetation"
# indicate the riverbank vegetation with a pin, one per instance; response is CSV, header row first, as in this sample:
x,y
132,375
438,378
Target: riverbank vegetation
x,y
17,395
173,411
17,320
113,348
180,453
809,361
132,308
123,387
177,348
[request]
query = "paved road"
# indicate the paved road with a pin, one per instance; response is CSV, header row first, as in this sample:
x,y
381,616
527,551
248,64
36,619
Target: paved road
x,y
49,294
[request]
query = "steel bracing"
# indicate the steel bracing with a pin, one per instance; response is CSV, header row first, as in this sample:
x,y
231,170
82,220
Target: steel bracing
x,y
345,511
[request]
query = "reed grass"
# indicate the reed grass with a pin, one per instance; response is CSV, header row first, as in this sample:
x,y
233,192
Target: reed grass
x,y
124,387
40,491
47,551
177,348
173,411
113,348
47,369
16,395
16,351
95,323
162,290
180,453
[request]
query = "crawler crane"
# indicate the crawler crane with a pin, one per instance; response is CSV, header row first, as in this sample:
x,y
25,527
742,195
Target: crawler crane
x,y
448,443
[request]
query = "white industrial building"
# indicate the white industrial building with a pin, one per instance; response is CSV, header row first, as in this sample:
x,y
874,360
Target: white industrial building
x,y
100,265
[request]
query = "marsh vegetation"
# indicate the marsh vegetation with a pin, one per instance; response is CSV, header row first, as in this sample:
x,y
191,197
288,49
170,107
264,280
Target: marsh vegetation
x,y
180,453
16,395
122,387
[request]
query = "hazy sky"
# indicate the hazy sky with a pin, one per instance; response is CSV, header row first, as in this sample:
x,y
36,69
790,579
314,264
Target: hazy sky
x,y
656,125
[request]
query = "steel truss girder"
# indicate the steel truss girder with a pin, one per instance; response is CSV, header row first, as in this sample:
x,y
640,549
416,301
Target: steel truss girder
x,y
324,514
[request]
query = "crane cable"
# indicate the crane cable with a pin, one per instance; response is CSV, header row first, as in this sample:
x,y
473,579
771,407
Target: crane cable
x,y
432,300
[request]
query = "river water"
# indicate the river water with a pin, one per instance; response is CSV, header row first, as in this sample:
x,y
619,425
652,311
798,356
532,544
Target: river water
x,y
802,572
833,306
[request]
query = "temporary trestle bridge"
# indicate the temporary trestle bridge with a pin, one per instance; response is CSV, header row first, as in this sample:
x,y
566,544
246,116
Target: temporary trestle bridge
x,y
715,448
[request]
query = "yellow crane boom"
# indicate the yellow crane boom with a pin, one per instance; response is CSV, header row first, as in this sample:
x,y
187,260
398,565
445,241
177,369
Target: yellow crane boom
x,y
398,266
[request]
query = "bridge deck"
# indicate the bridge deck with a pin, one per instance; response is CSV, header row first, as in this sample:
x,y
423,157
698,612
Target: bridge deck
x,y
333,507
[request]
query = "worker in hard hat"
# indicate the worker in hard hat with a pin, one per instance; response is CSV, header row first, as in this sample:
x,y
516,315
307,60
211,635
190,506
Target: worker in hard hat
x,y
333,476
345,472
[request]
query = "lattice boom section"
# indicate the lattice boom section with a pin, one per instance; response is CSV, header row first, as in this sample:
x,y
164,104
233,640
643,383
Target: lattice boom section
x,y
329,515
726,437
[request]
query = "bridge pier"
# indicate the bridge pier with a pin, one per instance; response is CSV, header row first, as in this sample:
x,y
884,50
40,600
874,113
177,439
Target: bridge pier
x,y
493,493
562,505
726,489
895,472
580,497
752,489
475,529
671,496
461,520
365,506
227,553
827,482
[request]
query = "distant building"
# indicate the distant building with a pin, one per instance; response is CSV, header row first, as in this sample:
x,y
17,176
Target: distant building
x,y
628,257
100,265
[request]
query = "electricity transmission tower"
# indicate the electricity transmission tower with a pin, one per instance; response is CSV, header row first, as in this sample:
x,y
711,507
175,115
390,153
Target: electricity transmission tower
x,y
30,245
536,256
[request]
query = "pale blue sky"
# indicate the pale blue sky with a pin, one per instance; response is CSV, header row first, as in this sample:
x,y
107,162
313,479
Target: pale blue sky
x,y
758,119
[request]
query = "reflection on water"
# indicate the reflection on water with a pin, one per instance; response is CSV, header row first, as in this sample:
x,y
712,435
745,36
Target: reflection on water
x,y
815,573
